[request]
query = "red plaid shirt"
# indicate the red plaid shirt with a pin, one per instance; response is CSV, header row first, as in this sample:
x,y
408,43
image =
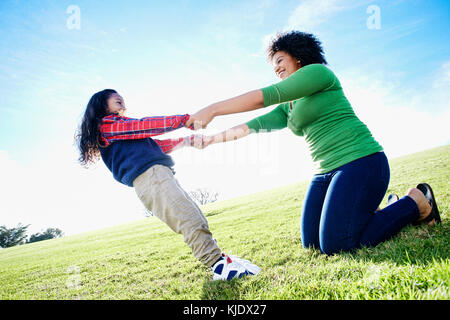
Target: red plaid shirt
x,y
114,128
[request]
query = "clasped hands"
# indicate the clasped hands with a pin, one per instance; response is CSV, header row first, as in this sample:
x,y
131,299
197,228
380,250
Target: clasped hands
x,y
197,121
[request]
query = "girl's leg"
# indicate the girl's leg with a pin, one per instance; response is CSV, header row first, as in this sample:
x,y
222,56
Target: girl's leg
x,y
312,209
159,191
349,219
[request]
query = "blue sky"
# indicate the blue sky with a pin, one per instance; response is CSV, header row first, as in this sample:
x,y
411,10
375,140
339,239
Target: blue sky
x,y
173,57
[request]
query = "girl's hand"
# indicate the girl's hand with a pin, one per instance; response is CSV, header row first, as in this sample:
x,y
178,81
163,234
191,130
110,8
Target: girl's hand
x,y
200,141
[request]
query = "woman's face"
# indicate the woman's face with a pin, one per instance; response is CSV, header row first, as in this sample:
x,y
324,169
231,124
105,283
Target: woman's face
x,y
116,104
284,64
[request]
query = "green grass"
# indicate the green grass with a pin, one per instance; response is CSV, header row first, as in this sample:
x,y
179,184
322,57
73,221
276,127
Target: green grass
x,y
146,260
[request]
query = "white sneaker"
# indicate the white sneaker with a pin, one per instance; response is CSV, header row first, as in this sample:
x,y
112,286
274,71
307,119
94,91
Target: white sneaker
x,y
227,268
251,267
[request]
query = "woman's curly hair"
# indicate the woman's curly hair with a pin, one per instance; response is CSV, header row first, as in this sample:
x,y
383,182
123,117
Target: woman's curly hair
x,y
87,135
304,47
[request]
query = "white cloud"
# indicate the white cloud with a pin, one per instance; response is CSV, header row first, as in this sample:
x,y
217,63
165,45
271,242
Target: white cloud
x,y
395,123
442,80
310,14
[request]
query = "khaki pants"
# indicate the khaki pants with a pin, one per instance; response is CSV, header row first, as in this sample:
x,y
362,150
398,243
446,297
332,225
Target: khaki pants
x,y
161,193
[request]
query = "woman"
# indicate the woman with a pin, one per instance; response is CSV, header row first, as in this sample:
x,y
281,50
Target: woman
x,y
136,160
340,209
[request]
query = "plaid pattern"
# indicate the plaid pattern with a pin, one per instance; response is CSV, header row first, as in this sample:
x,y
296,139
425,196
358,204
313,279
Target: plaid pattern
x,y
168,145
114,128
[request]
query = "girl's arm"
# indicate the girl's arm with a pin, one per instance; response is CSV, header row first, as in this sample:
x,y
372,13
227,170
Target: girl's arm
x,y
114,128
169,145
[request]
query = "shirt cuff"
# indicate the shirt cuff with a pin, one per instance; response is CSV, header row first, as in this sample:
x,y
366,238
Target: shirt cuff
x,y
270,95
254,125
186,118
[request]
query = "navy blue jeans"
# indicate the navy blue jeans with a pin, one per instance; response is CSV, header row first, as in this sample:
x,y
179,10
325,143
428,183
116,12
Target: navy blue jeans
x,y
339,211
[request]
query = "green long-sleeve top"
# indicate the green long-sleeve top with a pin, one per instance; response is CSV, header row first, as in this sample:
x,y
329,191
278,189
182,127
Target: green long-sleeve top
x,y
313,105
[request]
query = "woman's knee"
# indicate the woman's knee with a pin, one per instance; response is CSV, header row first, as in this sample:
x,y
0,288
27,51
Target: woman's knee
x,y
310,237
328,249
330,246
310,245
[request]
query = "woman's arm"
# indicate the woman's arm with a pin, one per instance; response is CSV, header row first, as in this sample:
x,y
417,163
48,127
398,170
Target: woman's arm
x,y
274,120
237,132
231,134
304,82
246,102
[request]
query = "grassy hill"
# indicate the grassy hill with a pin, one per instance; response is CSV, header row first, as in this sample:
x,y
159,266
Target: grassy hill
x,y
146,260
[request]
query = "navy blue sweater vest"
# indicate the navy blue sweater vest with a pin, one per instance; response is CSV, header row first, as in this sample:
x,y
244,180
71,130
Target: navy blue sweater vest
x,y
127,159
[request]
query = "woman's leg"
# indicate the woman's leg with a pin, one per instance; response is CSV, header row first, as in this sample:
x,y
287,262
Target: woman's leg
x,y
387,222
312,210
349,216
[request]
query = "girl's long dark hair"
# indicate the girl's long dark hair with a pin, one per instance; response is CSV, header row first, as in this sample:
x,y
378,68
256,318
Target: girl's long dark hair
x,y
87,136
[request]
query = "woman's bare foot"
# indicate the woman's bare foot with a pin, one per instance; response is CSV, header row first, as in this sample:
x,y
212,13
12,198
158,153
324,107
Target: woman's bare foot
x,y
422,204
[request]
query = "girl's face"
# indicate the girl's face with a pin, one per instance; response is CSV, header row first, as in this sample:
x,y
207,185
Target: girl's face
x,y
116,105
284,64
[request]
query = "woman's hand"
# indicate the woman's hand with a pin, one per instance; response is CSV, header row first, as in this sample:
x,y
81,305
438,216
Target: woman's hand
x,y
200,119
246,102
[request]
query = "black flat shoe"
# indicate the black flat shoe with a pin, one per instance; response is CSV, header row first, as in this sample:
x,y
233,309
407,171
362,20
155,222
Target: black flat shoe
x,y
429,195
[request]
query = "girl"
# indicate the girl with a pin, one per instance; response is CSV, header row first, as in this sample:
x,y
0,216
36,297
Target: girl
x,y
339,211
136,160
